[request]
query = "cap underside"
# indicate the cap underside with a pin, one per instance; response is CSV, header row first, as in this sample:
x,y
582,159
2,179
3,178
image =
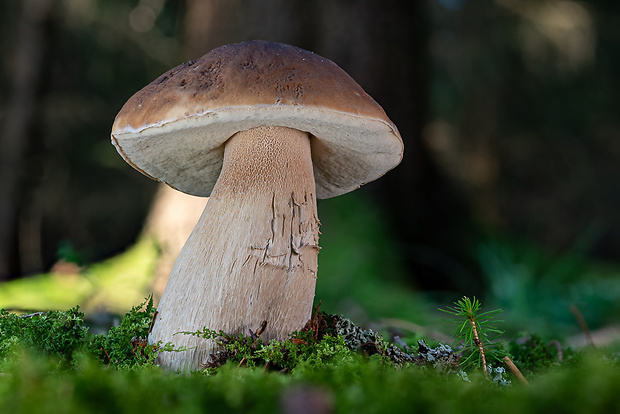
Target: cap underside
x,y
348,150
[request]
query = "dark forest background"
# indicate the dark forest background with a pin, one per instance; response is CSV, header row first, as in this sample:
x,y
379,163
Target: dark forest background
x,y
509,111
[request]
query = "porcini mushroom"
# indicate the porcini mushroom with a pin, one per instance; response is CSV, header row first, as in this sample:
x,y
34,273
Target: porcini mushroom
x,y
264,129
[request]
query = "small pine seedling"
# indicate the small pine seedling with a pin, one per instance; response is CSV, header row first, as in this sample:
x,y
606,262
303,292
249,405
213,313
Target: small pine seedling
x,y
473,332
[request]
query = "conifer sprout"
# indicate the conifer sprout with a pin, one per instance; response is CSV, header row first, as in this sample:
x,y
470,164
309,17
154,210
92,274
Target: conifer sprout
x,y
263,129
473,332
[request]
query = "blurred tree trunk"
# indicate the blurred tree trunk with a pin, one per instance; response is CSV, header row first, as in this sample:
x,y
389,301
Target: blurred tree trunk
x,y
172,217
213,23
16,135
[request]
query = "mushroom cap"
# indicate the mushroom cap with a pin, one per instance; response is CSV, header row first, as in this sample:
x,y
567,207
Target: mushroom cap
x,y
174,129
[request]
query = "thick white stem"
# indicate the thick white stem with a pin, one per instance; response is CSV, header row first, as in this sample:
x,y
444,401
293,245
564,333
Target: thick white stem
x,y
253,254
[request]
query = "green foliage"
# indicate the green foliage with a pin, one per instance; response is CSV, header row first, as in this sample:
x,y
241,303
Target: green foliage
x,y
62,334
302,348
126,345
535,355
67,252
473,332
54,333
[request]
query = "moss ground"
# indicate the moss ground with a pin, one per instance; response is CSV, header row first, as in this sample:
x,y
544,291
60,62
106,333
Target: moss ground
x,y
357,385
50,363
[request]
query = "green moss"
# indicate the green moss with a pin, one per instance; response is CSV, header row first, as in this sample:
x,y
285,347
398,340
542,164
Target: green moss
x,y
56,333
353,385
52,366
126,346
317,344
113,285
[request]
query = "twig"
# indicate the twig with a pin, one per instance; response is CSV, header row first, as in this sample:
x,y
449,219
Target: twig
x,y
515,371
558,346
261,328
17,310
314,321
401,343
582,324
106,354
153,321
32,315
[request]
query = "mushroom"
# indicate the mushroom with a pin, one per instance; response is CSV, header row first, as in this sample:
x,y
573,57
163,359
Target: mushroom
x,y
264,129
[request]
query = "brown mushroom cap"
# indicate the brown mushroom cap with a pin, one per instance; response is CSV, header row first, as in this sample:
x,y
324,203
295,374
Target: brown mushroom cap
x,y
175,128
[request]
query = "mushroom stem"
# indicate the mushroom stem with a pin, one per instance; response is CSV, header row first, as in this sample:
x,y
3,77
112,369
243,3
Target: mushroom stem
x,y
253,254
